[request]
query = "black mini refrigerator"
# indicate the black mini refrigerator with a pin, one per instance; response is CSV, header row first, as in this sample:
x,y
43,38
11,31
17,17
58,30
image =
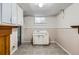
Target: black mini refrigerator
x,y
19,35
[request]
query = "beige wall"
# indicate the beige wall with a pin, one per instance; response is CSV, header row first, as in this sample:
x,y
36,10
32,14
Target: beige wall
x,y
68,38
28,34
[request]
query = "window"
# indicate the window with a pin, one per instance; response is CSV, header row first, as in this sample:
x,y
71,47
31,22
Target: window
x,y
40,20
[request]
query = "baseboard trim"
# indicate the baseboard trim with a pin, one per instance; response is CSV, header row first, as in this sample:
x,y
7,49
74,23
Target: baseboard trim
x,y
52,42
26,42
63,48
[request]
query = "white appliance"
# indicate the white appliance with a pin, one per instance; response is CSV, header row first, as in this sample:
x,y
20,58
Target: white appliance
x,y
40,37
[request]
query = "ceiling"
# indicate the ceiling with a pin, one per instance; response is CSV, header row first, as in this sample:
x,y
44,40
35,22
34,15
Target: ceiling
x,y
49,9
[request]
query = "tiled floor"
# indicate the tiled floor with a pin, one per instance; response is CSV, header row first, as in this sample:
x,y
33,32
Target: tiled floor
x,y
28,49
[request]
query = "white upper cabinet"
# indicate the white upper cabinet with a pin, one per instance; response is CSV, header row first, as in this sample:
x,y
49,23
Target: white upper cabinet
x,y
11,13
0,13
6,13
20,15
14,13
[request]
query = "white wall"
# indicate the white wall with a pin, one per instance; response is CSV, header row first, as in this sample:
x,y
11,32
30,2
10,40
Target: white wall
x,y
19,15
13,41
29,24
66,36
0,12
70,16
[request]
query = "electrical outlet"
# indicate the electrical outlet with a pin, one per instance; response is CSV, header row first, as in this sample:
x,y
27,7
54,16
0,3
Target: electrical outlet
x,y
13,47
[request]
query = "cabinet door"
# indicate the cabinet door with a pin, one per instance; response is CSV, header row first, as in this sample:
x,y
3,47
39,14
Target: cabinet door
x,y
14,13
20,15
2,45
0,12
6,12
7,44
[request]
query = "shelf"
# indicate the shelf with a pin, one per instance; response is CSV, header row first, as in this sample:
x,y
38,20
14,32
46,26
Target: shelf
x,y
76,26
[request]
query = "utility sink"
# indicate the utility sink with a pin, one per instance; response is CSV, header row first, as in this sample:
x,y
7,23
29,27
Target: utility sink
x,y
40,37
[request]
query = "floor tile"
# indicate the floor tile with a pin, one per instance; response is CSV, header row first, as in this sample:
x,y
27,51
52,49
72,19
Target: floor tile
x,y
29,49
